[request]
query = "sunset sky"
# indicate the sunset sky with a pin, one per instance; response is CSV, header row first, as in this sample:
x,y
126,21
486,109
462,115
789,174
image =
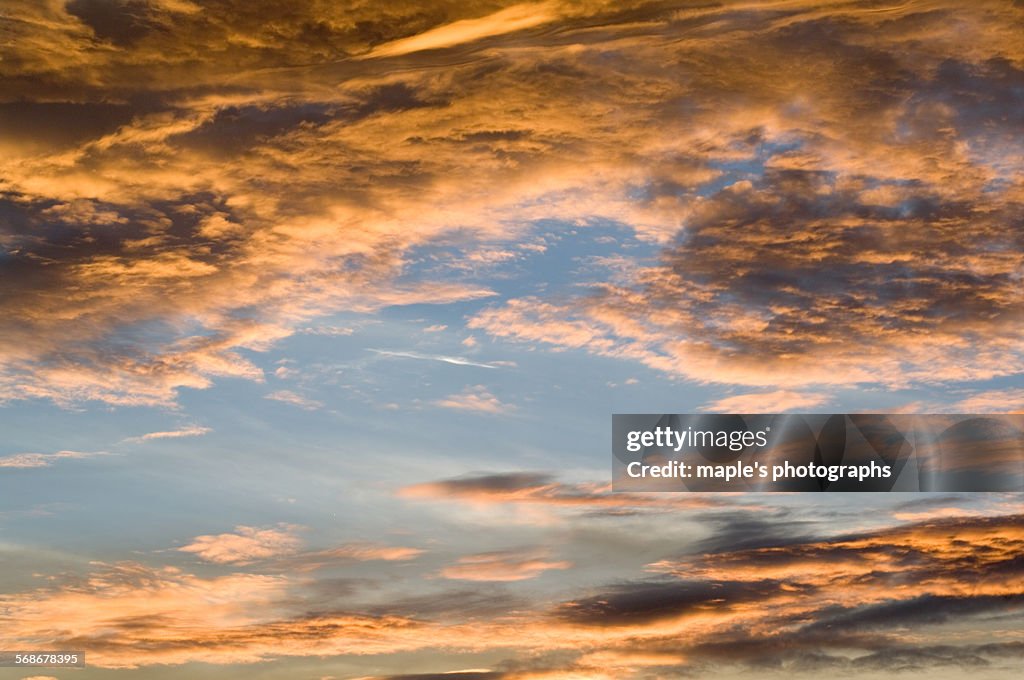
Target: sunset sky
x,y
313,316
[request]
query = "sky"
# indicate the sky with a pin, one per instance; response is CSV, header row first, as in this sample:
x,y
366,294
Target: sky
x,y
313,317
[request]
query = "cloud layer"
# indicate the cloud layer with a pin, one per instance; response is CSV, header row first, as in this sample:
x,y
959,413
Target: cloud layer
x,y
881,600
835,192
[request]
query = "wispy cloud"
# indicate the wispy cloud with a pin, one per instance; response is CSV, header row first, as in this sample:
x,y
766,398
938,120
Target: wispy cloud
x,y
544,489
503,566
189,431
311,560
991,401
333,331
40,460
295,399
280,546
778,401
508,20
456,361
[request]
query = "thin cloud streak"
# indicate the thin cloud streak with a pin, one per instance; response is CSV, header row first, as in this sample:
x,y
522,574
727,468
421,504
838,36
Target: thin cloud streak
x,y
41,460
189,431
778,401
508,20
456,361
294,399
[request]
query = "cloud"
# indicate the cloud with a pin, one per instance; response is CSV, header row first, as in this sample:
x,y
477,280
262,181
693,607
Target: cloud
x,y
449,675
934,513
39,460
991,401
931,554
747,313
842,603
809,196
839,216
335,331
543,489
778,401
348,553
508,20
456,361
246,545
289,397
279,547
502,566
368,552
188,431
475,398
645,603
179,617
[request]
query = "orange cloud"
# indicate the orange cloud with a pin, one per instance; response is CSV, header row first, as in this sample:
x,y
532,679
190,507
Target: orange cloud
x,y
38,460
935,552
245,546
778,401
343,554
501,566
475,398
749,607
543,489
508,20
189,431
991,401
833,225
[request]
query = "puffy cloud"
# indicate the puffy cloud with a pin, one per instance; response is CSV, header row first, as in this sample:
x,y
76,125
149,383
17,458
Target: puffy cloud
x,y
792,280
182,185
475,398
245,545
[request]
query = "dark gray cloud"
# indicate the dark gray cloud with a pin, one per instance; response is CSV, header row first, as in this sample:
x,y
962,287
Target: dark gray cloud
x,y
927,610
645,603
